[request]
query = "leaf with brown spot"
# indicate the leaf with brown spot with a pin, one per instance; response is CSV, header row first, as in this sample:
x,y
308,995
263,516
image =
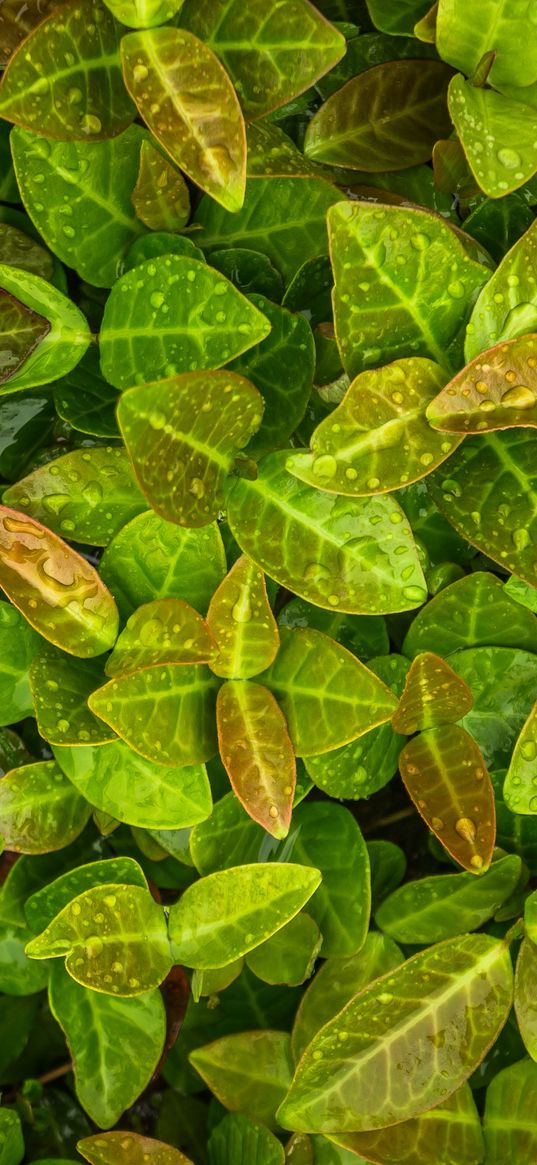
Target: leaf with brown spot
x,y
257,753
433,694
241,621
497,390
160,197
21,330
126,1148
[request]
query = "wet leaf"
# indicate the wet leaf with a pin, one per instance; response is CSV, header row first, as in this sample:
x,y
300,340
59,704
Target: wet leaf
x,y
464,984
21,250
169,313
488,123
160,197
57,591
11,1137
197,119
131,789
52,350
472,612
85,400
344,551
126,1148
250,271
241,621
113,938
399,20
143,13
18,647
503,687
237,1140
525,1006
365,635
378,438
271,153
81,97
445,775
289,956
464,44
182,449
249,1072
164,631
21,331
497,390
164,712
43,905
519,790
449,1132
512,1091
40,809
60,689
507,306
17,22
433,695
257,753
387,118
271,54
228,913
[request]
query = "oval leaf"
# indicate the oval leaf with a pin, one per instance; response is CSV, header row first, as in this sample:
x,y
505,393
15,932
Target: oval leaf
x,y
433,694
449,1132
511,1091
164,631
129,1149
519,790
60,690
160,197
64,341
248,1072
484,121
40,811
497,390
241,621
21,330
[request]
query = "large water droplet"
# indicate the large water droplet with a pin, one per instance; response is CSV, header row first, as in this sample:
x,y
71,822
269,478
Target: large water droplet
x,y
466,828
519,396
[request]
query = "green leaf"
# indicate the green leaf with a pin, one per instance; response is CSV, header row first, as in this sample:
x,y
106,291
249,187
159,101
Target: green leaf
x,y
496,319
40,810
378,438
21,331
525,1007
337,982
445,905
19,976
143,13
11,1138
509,1121
113,938
57,591
160,197
474,611
173,314
386,118
63,342
164,631
237,1140
131,789
503,687
497,390
433,695
271,153
250,271
445,775
272,54
18,646
398,20
153,559
22,250
240,620
289,956
227,914
365,635
404,285
165,712
488,123
121,1148
505,29
198,119
65,80
85,400
450,1002
450,1132
249,1072
345,551
42,906
60,689
101,1033
181,452
519,791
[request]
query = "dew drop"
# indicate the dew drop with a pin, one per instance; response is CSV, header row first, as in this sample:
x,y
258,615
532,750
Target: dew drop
x,y
518,397
325,466
509,158
528,750
466,828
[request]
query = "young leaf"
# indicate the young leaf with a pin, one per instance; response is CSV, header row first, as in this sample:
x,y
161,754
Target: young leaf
x,y
237,1140
241,621
188,101
18,647
449,1132
42,906
346,554
439,1012
497,390
289,956
249,1072
60,689
496,319
525,1006
63,342
40,810
512,1091
271,153
488,123
445,775
257,753
473,611
141,793
160,197
126,1148
100,1032
173,314
57,591
65,80
21,331
519,791
182,451
113,938
164,631
227,914
434,694
464,44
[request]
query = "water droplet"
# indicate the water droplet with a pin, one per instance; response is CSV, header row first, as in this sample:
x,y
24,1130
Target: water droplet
x,y
140,72
509,158
415,594
528,750
273,812
518,397
325,466
91,124
196,487
156,299
93,946
466,828
437,823
477,861
242,610
521,538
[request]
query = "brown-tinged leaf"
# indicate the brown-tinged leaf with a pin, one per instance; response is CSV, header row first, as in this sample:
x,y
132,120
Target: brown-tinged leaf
x,y
444,1135
497,390
257,753
126,1148
272,154
160,197
433,694
21,330
163,631
17,20
445,775
525,1001
241,622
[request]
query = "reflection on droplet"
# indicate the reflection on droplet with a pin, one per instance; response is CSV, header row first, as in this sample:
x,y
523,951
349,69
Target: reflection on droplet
x,y
466,828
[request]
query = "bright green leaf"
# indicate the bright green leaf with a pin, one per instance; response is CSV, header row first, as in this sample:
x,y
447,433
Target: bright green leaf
x,y
40,809
249,1072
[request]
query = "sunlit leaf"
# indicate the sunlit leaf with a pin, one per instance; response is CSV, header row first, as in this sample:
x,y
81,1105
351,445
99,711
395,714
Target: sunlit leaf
x,y
126,1148
164,631
60,689
378,438
52,352
227,914
445,775
143,13
498,135
509,1121
21,331
237,1140
249,1072
57,591
65,80
113,938
289,956
473,611
519,790
433,695
398,20
40,810
188,101
463,985
257,753
182,450
464,44
43,905
497,390
160,197
507,306
241,621
449,1132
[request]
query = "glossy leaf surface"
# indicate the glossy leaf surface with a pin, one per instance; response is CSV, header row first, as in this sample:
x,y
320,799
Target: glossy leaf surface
x,y
507,306
512,1091
289,956
471,612
60,689
43,905
464,45
164,631
484,121
18,647
433,695
502,683
240,1140
450,1132
120,1148
525,1008
249,1072
497,390
40,809
21,330
257,753
241,621
160,197
519,790
62,344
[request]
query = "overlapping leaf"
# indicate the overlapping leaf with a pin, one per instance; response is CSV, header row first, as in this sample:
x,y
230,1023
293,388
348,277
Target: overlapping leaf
x,y
520,789
160,197
60,689
497,390
241,621
507,306
54,350
164,631
21,330
289,956
257,753
473,611
121,1148
433,695
40,809
498,136
248,1072
511,1091
464,44
449,1132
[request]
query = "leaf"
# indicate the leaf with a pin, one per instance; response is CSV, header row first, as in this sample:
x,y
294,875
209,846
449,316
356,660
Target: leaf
x,y
63,342
126,1148
60,689
387,118
433,695
499,223
449,1002
45,903
445,775
289,956
11,1138
449,1132
16,23
474,611
519,791
101,1032
271,54
143,13
365,635
21,331
464,44
57,591
250,271
494,320
160,197
512,1136
113,938
525,1008
249,1072
87,496
150,246
378,438
18,646
403,296
164,631
445,905
152,559
257,753
497,390
197,119
487,124
227,914
399,20
40,811
182,450
85,400
328,696
237,1140
131,789
503,687
240,620
271,153
81,97
19,975
283,218
337,982
344,551
173,314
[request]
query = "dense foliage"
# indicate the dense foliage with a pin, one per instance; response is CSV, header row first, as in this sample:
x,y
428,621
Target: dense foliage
x,y
268,633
